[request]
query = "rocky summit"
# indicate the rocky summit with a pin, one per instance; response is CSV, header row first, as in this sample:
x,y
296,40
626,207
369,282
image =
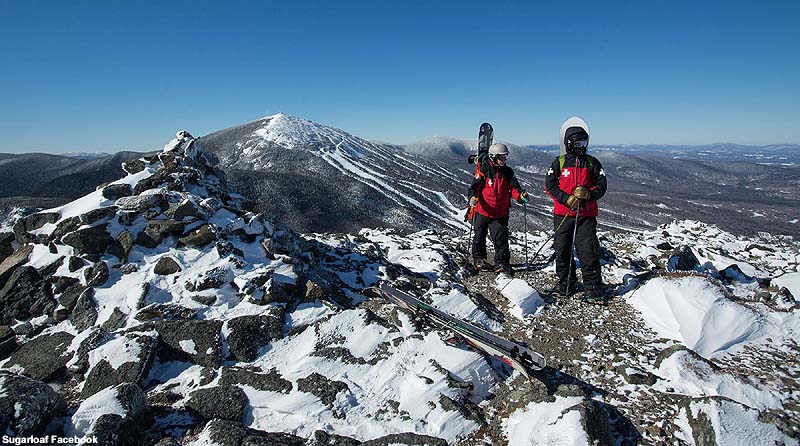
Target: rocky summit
x,y
161,310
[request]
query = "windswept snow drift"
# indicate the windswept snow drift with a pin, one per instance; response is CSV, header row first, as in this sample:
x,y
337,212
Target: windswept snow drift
x,y
524,299
546,424
695,313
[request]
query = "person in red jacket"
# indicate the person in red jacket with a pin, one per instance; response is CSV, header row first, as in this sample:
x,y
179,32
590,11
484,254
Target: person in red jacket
x,y
490,197
575,181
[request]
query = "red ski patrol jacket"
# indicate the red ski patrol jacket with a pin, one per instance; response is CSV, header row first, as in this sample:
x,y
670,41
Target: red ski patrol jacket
x,y
494,186
560,183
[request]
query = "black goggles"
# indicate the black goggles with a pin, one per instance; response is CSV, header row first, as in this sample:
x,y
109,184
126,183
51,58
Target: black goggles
x,y
579,143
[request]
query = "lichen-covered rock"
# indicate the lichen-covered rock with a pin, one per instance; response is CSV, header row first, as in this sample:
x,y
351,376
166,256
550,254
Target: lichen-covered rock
x,y
42,357
166,227
84,314
122,246
97,274
94,240
75,263
322,438
64,227
134,166
128,268
61,283
97,214
185,208
321,387
683,259
8,341
165,266
213,278
15,259
406,439
204,299
199,237
232,433
69,297
196,341
116,191
25,295
127,358
33,222
48,270
168,311
117,320
222,402
90,340
248,334
139,203
5,245
27,405
270,381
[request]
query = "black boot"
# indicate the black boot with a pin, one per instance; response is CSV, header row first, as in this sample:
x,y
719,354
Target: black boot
x,y
481,265
595,295
562,289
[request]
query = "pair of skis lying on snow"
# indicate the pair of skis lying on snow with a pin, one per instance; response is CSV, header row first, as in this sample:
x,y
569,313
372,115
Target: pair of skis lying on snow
x,y
511,353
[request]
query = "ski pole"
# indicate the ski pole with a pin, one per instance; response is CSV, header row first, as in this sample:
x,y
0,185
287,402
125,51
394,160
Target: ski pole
x,y
551,236
525,219
469,240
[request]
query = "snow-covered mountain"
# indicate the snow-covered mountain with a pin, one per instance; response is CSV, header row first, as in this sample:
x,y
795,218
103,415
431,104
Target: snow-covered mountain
x,y
160,310
317,177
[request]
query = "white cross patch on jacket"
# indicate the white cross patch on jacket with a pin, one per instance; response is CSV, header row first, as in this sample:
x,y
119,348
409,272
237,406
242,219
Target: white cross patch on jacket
x,y
550,172
565,173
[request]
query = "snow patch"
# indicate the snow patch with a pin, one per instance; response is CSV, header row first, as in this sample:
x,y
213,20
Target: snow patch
x,y
524,299
101,403
735,425
686,374
695,313
546,424
188,346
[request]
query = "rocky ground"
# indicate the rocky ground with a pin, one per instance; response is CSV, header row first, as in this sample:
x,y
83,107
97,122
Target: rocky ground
x,y
160,310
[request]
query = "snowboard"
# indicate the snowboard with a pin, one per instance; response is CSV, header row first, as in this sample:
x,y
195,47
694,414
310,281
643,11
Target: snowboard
x,y
485,136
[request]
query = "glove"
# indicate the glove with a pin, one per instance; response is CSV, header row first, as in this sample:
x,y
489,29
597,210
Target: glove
x,y
581,193
573,202
473,201
523,197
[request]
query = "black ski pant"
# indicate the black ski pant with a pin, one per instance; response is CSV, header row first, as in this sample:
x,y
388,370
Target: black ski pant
x,y
498,233
586,245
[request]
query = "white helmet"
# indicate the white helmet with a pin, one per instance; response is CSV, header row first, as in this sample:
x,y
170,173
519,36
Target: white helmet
x,y
498,149
569,124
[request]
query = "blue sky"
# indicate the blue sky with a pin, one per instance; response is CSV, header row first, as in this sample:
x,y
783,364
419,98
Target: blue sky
x,y
114,75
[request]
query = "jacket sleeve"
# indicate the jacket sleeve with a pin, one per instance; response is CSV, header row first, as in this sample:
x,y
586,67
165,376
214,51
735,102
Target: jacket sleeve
x,y
516,188
475,187
599,175
551,183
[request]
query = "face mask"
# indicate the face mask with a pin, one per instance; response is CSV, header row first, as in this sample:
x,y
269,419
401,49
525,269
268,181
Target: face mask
x,y
577,147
